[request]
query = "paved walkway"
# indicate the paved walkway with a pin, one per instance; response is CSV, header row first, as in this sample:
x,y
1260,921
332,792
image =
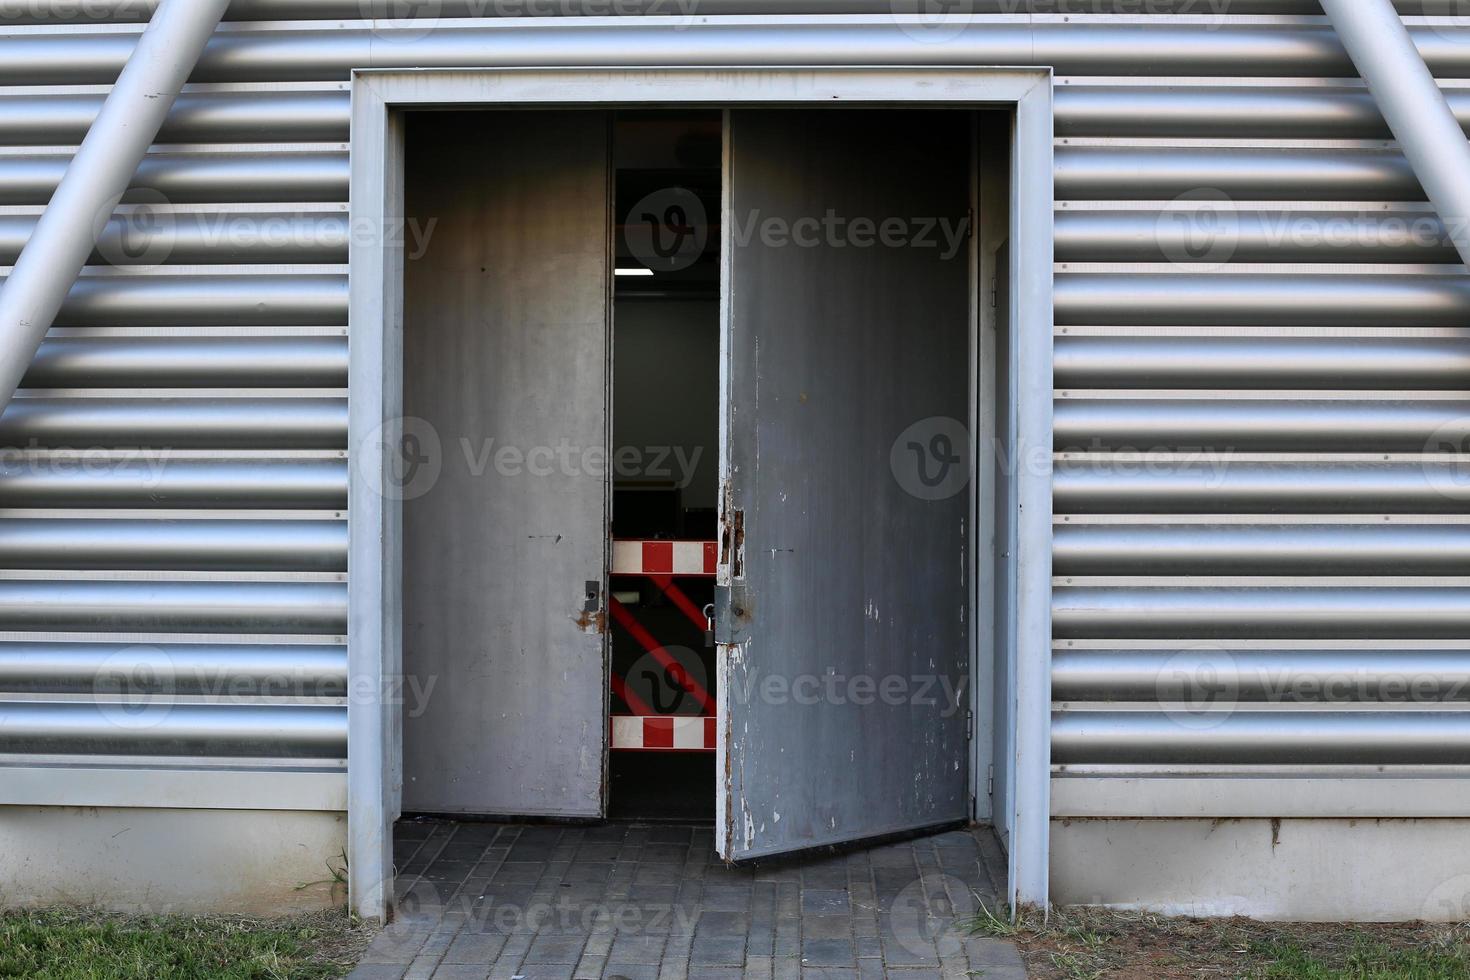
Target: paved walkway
x,y
646,901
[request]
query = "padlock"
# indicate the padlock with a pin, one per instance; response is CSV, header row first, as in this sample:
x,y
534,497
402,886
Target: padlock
x,y
709,626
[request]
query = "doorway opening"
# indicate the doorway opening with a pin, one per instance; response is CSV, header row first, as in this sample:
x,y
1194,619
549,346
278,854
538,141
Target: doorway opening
x,y
690,401
667,174
544,258
698,469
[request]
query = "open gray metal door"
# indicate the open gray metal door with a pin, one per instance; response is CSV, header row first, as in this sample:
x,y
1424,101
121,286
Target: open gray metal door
x,y
505,510
844,625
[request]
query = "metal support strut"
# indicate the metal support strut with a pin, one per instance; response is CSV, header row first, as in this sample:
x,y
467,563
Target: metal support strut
x,y
104,165
1416,110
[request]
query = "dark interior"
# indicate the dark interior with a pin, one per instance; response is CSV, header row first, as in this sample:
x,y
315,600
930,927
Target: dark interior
x,y
667,172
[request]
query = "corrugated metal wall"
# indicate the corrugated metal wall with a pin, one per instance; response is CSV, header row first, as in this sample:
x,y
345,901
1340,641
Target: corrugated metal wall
x,y
1261,372
1261,351
173,542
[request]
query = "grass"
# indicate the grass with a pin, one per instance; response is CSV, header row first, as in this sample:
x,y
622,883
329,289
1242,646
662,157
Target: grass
x,y
1100,944
71,945
1369,960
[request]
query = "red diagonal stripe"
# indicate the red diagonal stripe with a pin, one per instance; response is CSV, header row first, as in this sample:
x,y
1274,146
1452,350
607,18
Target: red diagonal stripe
x,y
645,639
678,598
634,702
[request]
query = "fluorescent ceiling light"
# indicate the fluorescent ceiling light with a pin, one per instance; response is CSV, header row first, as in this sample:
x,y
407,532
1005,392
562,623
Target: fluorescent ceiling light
x,y
633,272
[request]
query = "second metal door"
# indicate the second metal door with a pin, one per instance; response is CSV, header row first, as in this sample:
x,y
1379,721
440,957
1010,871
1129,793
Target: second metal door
x,y
505,509
845,627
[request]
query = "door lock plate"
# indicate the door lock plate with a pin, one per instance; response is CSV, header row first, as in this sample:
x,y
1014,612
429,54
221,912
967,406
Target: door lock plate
x,y
732,613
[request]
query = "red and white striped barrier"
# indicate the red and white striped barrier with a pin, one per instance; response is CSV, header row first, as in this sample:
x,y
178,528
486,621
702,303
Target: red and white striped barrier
x,y
661,562
678,733
664,558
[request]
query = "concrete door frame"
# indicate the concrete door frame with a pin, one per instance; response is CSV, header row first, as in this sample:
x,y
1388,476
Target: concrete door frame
x,y
379,100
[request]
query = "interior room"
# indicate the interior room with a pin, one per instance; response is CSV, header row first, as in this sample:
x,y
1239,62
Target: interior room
x,y
665,423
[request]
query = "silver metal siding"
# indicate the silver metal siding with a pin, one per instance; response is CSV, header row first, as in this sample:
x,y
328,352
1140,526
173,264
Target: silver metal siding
x,y
173,488
1259,427
1260,502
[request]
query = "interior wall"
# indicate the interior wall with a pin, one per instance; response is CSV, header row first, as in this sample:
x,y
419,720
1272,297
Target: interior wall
x,y
994,737
666,377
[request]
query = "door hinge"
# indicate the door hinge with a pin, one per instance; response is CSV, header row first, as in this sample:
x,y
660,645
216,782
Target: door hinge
x,y
990,780
969,725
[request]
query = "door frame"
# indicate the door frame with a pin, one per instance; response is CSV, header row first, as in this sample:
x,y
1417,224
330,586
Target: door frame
x,y
375,382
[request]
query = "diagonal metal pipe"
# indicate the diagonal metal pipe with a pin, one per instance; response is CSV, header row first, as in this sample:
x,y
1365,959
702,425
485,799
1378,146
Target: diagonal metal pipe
x,y
98,175
1413,105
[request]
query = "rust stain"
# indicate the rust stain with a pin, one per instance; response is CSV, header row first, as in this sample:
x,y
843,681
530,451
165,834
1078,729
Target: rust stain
x,y
732,538
737,564
592,622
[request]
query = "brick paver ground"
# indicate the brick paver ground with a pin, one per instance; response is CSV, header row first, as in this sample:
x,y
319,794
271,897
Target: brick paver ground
x,y
648,901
